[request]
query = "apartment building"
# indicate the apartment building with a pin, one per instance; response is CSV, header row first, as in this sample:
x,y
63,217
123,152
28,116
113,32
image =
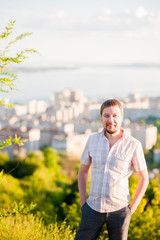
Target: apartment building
x,y
146,134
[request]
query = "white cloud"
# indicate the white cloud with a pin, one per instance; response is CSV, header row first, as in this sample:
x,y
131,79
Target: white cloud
x,y
60,14
128,21
62,34
127,11
104,18
157,20
141,12
107,11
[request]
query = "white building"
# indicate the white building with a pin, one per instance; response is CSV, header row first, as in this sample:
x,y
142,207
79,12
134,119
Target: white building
x,y
82,126
92,112
69,95
20,109
47,133
75,144
135,101
59,143
6,112
136,114
35,107
146,134
155,103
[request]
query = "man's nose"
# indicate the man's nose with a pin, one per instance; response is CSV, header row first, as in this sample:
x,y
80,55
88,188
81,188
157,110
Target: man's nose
x,y
111,119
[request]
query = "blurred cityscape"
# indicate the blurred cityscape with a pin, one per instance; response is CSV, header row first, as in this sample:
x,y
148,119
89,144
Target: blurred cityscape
x,y
67,121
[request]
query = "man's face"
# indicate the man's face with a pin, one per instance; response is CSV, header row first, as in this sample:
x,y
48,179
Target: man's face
x,y
112,119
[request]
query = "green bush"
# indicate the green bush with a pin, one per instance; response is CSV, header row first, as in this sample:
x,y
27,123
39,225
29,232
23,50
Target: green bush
x,y
34,183
29,227
10,191
20,168
51,158
4,158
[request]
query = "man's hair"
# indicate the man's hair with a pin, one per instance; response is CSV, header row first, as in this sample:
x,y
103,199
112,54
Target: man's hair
x,y
110,103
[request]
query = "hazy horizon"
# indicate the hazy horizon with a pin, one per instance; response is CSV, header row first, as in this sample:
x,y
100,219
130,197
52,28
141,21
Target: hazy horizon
x,y
94,82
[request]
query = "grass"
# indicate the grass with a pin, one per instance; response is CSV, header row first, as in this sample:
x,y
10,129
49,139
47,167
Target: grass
x,y
29,227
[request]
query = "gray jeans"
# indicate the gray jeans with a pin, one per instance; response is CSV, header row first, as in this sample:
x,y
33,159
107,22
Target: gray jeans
x,y
91,224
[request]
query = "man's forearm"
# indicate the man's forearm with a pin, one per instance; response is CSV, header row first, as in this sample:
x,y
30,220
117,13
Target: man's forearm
x,y
82,185
141,188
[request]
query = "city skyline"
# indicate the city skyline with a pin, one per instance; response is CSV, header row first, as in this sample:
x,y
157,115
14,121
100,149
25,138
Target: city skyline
x,y
71,117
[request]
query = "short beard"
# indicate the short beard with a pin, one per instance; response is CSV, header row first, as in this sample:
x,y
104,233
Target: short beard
x,y
110,132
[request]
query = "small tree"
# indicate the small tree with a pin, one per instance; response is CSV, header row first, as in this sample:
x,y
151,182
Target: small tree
x,y
7,78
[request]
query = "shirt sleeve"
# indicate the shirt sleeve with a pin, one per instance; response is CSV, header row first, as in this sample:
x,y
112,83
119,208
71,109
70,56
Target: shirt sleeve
x,y
85,158
138,160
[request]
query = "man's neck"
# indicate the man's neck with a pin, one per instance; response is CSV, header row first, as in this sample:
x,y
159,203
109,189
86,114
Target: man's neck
x,y
113,138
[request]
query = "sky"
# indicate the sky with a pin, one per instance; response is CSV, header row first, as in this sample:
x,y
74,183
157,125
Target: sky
x,y
86,31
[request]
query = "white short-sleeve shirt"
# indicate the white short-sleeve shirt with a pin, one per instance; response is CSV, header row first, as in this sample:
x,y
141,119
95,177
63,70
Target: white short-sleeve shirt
x,y
111,169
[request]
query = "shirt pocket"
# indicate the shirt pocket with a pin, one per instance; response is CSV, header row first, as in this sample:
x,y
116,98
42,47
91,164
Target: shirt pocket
x,y
121,164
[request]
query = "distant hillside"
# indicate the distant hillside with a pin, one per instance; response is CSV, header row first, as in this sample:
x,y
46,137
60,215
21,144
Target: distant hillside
x,y
80,66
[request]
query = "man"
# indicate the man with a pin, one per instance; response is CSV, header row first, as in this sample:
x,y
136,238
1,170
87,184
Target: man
x,y
112,154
